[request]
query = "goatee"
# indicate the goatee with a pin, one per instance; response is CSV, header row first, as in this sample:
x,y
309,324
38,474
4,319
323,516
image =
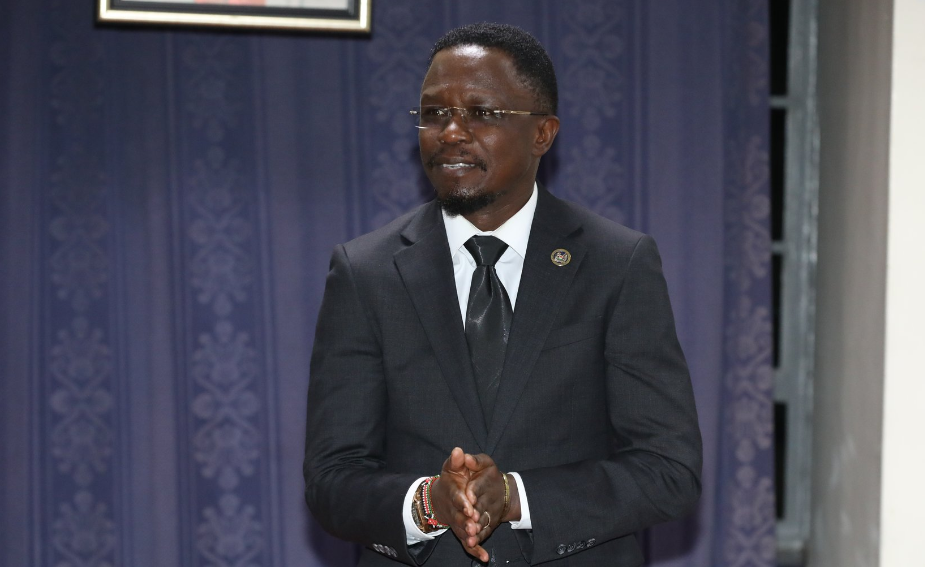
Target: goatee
x,y
460,203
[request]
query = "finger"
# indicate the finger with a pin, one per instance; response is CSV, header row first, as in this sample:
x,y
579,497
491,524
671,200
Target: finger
x,y
461,535
468,512
471,544
476,463
478,526
477,539
473,491
483,484
456,463
463,505
467,528
477,551
477,487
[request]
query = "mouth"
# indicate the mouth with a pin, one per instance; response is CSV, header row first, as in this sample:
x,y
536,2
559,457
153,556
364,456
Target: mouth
x,y
456,164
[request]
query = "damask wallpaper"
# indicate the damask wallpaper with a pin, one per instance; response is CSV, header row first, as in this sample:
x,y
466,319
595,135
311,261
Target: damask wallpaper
x,y
168,203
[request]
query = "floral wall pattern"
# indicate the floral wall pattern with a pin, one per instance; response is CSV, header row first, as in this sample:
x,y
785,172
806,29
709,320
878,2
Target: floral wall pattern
x,y
593,69
169,201
78,373
747,517
224,375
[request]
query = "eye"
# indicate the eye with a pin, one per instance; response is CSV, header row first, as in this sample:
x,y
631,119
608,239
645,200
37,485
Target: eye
x,y
483,113
434,112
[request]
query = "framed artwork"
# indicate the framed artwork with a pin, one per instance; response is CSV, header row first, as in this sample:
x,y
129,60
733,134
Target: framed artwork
x,y
323,15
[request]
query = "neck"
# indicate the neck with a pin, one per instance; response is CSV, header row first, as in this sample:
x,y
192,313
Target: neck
x,y
494,215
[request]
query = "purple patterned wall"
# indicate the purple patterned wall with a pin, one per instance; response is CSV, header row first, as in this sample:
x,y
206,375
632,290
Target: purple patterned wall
x,y
168,203
747,509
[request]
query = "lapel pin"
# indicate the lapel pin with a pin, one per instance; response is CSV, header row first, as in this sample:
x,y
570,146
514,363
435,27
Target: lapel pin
x,y
560,257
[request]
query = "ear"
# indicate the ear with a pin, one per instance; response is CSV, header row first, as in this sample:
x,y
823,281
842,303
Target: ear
x,y
546,131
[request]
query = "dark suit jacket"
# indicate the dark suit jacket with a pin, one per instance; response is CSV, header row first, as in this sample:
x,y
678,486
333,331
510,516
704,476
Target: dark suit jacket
x,y
595,408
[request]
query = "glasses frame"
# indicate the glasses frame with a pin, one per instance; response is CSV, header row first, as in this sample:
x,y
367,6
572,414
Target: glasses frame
x,y
465,112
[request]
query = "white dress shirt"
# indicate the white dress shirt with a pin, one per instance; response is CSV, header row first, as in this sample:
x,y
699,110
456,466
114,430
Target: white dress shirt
x,y
515,232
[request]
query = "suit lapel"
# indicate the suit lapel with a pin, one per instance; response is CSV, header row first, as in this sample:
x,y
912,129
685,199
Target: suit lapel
x,y
543,284
426,269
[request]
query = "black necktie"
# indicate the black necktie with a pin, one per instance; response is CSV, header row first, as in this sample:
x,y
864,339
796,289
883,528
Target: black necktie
x,y
488,319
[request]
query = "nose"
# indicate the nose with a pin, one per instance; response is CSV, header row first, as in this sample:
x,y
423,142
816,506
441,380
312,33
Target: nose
x,y
455,129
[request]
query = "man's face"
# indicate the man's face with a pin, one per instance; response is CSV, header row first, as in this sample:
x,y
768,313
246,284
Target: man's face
x,y
489,166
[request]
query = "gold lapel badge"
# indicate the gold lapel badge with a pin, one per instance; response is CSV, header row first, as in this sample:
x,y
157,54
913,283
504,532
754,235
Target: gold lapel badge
x,y
560,257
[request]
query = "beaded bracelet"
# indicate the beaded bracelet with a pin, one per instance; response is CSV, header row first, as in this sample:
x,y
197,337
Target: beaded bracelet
x,y
429,515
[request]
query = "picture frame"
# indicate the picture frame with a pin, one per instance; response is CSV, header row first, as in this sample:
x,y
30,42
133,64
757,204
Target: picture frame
x,y
351,16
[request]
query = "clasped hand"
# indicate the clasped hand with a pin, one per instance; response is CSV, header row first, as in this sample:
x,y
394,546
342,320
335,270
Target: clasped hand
x,y
469,498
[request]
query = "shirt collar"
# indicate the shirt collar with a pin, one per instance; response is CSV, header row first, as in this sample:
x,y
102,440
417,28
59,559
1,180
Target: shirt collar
x,y
515,232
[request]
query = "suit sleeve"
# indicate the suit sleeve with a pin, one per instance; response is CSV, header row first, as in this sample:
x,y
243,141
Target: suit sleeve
x,y
346,485
652,473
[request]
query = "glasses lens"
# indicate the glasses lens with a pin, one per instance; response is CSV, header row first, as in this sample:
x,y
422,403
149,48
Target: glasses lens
x,y
437,116
484,115
429,116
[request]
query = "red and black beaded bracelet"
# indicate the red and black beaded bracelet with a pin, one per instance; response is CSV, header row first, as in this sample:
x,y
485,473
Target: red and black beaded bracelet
x,y
429,515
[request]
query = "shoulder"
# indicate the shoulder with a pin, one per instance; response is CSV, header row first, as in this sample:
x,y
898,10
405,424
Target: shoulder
x,y
382,243
592,230
373,256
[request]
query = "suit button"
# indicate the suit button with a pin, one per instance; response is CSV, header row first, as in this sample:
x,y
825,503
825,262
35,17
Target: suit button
x,y
591,542
561,549
571,547
581,545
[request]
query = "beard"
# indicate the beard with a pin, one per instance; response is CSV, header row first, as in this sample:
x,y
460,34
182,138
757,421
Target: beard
x,y
463,202
459,199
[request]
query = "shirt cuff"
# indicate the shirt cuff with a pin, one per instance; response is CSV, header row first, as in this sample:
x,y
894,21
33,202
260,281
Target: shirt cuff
x,y
413,534
525,523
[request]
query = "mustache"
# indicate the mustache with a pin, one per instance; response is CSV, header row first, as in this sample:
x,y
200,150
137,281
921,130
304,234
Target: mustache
x,y
432,160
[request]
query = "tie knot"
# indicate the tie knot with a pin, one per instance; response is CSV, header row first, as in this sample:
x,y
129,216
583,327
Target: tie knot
x,y
485,250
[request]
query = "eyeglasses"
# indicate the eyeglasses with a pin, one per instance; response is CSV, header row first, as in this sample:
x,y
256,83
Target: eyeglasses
x,y
426,117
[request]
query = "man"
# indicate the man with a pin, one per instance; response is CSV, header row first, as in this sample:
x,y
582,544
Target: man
x,y
496,376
